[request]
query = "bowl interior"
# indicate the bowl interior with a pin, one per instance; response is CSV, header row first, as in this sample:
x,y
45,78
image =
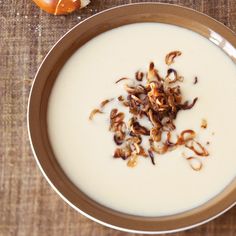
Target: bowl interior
x,y
43,84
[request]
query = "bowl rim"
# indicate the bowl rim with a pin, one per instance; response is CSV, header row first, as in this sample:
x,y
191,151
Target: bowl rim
x,y
230,35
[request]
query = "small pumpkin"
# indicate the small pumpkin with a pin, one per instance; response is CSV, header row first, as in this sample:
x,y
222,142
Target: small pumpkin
x,y
61,7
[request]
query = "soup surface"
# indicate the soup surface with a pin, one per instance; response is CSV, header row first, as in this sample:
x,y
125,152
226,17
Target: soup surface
x,y
85,148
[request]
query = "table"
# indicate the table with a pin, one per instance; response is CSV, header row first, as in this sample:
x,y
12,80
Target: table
x,y
28,206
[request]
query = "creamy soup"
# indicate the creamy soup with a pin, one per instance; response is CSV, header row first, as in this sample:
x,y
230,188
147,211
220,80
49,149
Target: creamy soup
x,y
85,148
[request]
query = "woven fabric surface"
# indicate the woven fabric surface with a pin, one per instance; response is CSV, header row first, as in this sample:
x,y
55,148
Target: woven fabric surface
x,y
28,205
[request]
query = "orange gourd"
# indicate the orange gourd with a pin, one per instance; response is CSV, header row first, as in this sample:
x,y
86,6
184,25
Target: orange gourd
x,y
61,7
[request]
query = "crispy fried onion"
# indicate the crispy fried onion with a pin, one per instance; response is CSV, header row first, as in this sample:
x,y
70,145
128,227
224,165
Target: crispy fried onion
x,y
139,75
171,56
172,76
157,147
94,112
158,99
136,128
204,124
194,162
187,106
121,79
118,126
186,136
197,148
151,155
155,134
135,90
131,150
99,111
153,73
105,102
133,161
123,153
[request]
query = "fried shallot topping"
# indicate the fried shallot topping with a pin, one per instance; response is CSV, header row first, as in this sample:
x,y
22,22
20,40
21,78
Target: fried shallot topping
x,y
157,99
94,112
204,124
171,56
105,102
194,162
121,79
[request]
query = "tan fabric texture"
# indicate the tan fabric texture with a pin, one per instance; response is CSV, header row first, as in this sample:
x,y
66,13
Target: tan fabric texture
x,y
28,205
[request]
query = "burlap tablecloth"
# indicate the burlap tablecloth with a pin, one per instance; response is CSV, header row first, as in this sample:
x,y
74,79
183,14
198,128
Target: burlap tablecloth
x,y
28,206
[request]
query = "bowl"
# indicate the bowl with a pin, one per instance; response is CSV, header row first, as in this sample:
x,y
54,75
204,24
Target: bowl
x,y
38,102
